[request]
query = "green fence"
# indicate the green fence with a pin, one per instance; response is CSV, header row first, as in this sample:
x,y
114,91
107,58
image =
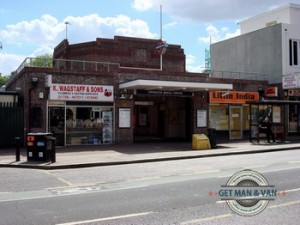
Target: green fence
x,y
11,124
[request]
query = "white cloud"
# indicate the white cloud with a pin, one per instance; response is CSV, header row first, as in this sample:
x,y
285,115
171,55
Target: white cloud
x,y
37,31
170,25
47,30
215,35
42,51
9,63
192,64
142,5
210,11
44,33
86,28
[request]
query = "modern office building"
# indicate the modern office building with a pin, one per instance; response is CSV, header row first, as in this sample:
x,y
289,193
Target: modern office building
x,y
267,49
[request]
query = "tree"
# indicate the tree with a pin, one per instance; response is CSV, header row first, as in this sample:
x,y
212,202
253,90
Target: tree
x,y
3,80
45,60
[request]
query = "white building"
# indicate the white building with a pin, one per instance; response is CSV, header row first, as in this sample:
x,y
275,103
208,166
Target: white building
x,y
268,47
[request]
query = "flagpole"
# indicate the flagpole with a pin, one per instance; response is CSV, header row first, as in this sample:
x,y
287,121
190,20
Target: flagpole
x,y
161,61
160,22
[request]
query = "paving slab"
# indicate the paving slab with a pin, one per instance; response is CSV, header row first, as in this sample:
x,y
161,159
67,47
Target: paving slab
x,y
115,154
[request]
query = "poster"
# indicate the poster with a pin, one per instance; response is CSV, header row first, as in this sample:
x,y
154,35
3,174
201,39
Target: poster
x,y
107,127
201,117
276,114
124,118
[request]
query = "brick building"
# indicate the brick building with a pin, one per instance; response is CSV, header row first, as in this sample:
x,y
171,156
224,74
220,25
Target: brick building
x,y
126,89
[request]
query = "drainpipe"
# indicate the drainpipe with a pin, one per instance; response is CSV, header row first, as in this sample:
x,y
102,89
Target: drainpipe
x,y
34,82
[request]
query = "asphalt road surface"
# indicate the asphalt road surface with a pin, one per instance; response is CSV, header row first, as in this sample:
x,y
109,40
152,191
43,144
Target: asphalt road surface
x,y
172,192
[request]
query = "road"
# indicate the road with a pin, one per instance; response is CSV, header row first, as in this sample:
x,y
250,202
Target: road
x,y
172,192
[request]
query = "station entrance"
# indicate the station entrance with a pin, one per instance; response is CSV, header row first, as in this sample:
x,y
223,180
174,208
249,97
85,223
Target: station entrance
x,y
161,118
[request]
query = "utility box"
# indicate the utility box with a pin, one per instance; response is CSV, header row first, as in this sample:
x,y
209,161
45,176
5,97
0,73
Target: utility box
x,y
39,146
200,142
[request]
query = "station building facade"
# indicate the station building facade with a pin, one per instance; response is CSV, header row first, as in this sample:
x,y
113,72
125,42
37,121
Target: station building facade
x,y
124,90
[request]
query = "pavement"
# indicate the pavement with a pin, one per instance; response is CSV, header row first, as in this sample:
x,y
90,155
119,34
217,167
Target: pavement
x,y
117,154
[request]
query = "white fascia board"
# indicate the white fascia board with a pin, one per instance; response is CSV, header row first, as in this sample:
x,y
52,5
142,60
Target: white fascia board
x,y
173,84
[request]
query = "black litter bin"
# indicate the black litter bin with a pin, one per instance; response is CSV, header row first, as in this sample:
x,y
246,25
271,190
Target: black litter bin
x,y
211,134
39,146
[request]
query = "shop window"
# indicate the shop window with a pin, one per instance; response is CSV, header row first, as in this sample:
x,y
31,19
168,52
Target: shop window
x,y
89,125
36,117
218,117
293,118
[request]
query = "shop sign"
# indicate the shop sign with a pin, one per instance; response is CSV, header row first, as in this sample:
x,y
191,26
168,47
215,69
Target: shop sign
x,y
165,93
272,92
294,92
290,81
237,97
75,92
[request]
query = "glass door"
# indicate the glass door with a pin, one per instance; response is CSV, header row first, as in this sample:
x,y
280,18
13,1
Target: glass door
x,y
235,123
57,124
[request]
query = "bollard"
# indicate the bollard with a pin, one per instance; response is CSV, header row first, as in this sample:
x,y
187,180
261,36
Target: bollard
x,y
17,139
53,153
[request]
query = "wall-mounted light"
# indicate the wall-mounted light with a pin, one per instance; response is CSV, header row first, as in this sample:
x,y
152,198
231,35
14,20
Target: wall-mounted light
x,y
34,81
41,95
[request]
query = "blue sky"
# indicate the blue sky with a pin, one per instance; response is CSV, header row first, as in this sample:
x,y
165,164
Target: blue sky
x,y
34,27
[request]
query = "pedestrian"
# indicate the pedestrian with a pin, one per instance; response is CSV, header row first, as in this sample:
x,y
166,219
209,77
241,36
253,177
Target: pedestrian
x,y
267,125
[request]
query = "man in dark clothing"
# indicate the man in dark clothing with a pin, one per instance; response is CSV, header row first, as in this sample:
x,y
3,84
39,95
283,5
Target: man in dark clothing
x,y
267,125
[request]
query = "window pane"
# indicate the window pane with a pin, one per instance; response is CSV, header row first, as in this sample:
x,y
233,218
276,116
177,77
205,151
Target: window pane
x,y
295,52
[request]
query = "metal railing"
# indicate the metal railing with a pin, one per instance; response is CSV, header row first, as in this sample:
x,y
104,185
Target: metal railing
x,y
239,75
79,65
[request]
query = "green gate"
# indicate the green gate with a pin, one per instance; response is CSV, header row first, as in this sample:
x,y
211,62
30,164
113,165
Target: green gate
x,y
11,124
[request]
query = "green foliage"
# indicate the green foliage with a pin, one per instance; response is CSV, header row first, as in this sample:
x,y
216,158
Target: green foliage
x,y
3,80
45,60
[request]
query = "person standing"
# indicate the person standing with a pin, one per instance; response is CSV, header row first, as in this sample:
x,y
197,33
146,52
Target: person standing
x,y
269,133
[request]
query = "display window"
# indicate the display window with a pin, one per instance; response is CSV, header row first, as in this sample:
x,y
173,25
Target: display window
x,y
218,116
82,125
293,118
89,125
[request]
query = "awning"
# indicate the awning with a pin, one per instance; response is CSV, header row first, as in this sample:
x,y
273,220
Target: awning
x,y
173,85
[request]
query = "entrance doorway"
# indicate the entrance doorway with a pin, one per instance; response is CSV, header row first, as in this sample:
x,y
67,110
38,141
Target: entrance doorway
x,y
235,122
57,124
162,119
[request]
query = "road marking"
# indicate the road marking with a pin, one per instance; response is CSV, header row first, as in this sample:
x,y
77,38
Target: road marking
x,y
59,178
293,190
4,193
294,162
221,202
106,218
284,204
257,166
65,181
206,219
197,171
